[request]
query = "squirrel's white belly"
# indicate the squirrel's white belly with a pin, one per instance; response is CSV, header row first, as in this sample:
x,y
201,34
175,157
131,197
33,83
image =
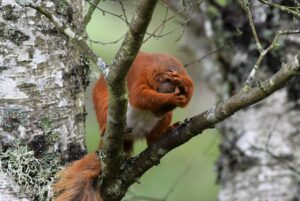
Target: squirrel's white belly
x,y
139,122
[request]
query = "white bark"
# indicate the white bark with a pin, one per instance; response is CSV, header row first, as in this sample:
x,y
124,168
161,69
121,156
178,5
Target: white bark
x,y
7,193
42,84
260,149
261,152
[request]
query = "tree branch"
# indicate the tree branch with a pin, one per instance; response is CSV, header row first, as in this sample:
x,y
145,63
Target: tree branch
x,y
95,6
186,11
88,16
273,44
281,7
77,40
246,9
112,153
117,175
137,166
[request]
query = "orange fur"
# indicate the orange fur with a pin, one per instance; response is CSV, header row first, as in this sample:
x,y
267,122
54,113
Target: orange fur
x,y
147,73
142,84
77,182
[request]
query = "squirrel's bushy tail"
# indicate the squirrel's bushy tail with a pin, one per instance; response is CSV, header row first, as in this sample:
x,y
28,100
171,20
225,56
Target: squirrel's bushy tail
x,y
78,182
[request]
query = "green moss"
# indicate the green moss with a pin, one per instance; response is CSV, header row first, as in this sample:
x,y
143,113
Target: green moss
x,y
35,176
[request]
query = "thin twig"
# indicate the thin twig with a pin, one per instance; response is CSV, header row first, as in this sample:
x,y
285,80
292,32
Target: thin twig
x,y
123,10
164,21
106,43
204,56
150,35
77,40
246,9
105,11
282,8
88,16
179,12
177,180
273,44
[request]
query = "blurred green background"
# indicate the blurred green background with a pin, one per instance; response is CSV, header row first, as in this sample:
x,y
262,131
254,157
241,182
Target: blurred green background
x,y
186,173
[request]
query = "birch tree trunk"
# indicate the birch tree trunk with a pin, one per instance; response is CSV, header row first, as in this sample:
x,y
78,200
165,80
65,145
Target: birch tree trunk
x,y
261,152
42,115
260,147
42,106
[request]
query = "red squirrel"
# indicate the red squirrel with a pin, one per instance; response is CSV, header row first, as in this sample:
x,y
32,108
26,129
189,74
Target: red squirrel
x,y
157,83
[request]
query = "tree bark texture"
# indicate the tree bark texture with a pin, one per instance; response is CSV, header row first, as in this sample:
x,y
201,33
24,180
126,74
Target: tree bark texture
x,y
259,152
42,106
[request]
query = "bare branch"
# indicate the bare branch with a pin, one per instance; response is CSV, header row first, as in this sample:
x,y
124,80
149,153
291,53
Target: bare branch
x,y
282,8
185,11
77,40
106,43
206,55
246,8
113,139
263,53
55,20
163,23
177,181
123,10
88,16
137,166
106,11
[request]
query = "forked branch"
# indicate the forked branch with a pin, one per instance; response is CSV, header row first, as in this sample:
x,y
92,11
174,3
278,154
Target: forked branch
x,y
112,153
137,166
